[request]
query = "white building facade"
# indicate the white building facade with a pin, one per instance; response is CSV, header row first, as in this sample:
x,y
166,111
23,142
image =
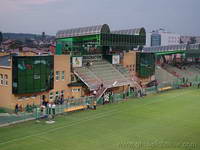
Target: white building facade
x,y
162,38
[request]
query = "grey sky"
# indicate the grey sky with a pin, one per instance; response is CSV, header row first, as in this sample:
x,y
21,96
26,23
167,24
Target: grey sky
x,y
35,16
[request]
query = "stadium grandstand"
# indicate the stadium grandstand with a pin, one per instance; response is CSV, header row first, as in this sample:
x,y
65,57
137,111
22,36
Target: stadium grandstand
x,y
176,62
96,64
153,66
98,54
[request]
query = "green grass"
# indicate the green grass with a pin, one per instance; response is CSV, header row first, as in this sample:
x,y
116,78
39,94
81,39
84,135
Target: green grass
x,y
166,121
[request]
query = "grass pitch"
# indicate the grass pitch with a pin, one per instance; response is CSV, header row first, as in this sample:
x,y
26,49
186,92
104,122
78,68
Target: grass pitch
x,y
166,121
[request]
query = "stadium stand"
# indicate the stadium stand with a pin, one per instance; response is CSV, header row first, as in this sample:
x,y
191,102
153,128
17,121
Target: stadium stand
x,y
163,76
100,75
189,71
174,70
88,77
122,70
108,74
102,72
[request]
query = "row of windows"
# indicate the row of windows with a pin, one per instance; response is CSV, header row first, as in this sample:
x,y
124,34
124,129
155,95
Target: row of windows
x,y
76,90
130,67
60,75
53,95
4,79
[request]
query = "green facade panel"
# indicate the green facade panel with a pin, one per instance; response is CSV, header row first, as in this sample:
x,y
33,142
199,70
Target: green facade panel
x,y
145,66
32,74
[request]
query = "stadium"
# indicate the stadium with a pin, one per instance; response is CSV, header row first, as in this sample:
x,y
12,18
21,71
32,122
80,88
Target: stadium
x,y
110,92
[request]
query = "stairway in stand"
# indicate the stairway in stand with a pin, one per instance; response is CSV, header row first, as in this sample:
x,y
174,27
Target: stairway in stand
x,y
100,93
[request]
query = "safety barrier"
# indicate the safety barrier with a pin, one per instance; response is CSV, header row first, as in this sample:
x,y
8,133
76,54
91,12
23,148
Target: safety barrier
x,y
85,102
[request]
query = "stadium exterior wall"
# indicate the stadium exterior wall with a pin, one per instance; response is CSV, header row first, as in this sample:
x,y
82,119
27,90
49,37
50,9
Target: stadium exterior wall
x,y
129,61
8,100
6,90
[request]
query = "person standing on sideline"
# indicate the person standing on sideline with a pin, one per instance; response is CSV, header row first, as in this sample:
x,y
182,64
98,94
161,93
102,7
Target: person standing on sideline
x,y
37,113
198,85
95,105
49,108
53,109
16,108
88,105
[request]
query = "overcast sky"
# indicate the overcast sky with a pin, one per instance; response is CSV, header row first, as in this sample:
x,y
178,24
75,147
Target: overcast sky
x,y
36,16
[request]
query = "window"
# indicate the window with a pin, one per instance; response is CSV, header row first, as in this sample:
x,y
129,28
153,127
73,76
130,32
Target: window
x,y
76,90
57,75
63,75
5,79
51,96
1,79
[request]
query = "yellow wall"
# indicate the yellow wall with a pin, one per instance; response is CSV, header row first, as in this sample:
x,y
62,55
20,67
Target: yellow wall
x,y
77,91
3,53
9,100
6,91
28,53
62,63
120,89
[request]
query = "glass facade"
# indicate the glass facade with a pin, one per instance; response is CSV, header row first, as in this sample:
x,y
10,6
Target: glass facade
x,y
155,39
79,45
145,64
32,74
97,40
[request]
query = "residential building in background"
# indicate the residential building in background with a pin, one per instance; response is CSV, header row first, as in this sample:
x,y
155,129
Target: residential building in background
x,y
190,39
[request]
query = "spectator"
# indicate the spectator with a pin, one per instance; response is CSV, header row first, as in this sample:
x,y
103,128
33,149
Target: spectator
x,y
95,104
88,64
49,108
43,110
88,105
94,92
20,108
27,108
61,99
54,109
101,85
16,108
56,100
34,106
